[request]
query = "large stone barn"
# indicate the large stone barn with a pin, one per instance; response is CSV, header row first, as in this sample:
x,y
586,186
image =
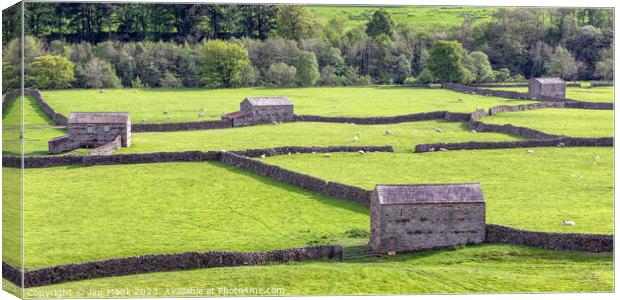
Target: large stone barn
x,y
93,129
547,87
426,216
260,110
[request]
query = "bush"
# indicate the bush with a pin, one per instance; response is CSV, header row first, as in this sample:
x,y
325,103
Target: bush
x,y
170,81
410,81
280,74
52,71
329,77
307,69
425,77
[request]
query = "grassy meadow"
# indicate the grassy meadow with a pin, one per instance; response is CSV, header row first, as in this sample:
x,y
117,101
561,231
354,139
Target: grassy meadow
x,y
570,122
597,94
76,214
181,105
424,18
533,191
472,269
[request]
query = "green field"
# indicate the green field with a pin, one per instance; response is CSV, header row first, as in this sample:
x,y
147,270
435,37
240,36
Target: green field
x,y
534,191
149,105
422,18
77,214
404,136
598,94
570,122
471,269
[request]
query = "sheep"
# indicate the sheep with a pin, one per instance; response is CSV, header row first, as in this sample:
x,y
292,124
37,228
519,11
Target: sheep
x,y
263,156
568,223
437,129
388,132
597,158
361,152
355,138
327,155
443,149
530,151
359,133
473,131
431,149
201,115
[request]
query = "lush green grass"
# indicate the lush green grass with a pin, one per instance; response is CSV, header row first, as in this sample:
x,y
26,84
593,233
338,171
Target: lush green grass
x,y
11,216
471,269
403,136
38,128
423,18
534,191
598,94
75,214
181,105
570,122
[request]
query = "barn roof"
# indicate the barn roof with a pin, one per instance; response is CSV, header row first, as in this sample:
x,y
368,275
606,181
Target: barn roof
x,y
549,80
268,101
429,193
236,114
98,117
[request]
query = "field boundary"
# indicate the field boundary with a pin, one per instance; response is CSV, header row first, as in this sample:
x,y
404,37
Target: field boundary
x,y
58,118
559,142
164,262
578,242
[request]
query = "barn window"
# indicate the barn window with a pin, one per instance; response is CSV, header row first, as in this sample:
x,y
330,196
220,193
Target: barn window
x,y
106,128
90,129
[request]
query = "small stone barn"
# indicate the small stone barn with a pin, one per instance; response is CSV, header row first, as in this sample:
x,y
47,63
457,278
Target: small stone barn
x,y
547,87
260,110
93,129
427,216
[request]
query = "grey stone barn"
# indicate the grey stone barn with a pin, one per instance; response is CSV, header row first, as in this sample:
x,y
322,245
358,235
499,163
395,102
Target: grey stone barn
x,y
425,216
261,110
547,87
92,130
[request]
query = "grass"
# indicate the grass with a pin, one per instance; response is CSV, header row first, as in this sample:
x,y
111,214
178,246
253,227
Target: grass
x,y
77,214
423,18
149,105
534,191
472,269
598,94
11,216
38,128
403,136
570,122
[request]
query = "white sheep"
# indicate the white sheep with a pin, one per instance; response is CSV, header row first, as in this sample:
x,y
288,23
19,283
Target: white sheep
x,y
361,152
530,151
388,132
568,223
327,155
443,149
473,131
263,156
437,129
355,138
560,144
201,115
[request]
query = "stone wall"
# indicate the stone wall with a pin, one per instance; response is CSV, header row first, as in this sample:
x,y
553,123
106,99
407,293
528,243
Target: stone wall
x,y
522,107
500,84
478,91
183,126
62,144
300,149
561,142
165,262
600,84
523,132
109,148
591,105
374,120
332,189
550,240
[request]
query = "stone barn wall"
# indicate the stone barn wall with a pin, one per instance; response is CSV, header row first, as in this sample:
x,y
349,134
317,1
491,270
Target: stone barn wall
x,y
546,87
99,137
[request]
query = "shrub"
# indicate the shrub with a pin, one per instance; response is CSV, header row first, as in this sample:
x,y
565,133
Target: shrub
x,y
425,77
307,69
410,81
280,74
52,71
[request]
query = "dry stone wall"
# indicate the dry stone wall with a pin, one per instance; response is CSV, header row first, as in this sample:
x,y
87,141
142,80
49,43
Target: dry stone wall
x,y
374,120
109,148
561,142
182,126
550,240
165,262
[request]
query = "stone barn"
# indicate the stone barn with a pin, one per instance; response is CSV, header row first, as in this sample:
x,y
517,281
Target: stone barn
x,y
426,216
547,87
92,130
261,110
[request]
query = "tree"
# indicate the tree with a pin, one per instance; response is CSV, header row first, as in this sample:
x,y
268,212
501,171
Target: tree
x,y
99,74
402,69
478,65
280,74
381,24
562,64
52,71
307,69
605,69
445,62
222,62
295,22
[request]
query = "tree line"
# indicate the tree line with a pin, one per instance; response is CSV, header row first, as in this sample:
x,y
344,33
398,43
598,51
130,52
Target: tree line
x,y
101,45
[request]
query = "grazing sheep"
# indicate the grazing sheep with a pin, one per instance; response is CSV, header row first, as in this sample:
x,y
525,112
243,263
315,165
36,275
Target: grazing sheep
x,y
560,144
437,129
355,138
201,115
263,156
387,132
597,158
361,152
568,223
443,149
473,131
327,155
530,151
313,152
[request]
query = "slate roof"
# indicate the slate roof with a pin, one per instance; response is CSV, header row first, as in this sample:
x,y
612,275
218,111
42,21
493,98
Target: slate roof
x,y
98,117
549,80
429,193
236,114
268,101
